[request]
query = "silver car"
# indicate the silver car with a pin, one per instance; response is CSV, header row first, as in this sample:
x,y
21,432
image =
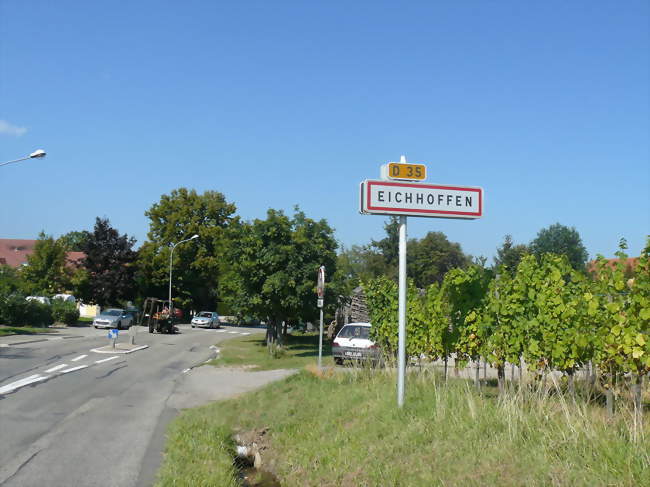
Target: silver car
x,y
113,318
209,319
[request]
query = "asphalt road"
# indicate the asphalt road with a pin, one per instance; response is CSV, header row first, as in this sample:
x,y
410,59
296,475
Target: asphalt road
x,y
71,416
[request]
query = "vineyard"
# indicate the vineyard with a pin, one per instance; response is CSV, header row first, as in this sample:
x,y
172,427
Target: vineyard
x,y
543,313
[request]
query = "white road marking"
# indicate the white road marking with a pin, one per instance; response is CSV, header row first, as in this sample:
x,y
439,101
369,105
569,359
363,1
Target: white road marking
x,y
186,371
21,383
54,369
235,332
4,344
73,369
246,333
221,331
78,358
106,359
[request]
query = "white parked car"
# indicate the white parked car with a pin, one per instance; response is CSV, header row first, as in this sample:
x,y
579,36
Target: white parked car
x,y
353,343
208,319
68,298
113,318
40,299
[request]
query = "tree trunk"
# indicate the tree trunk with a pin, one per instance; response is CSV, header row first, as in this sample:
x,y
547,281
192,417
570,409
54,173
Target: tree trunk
x,y
501,378
477,377
278,332
269,334
512,374
485,370
446,369
609,395
637,389
521,373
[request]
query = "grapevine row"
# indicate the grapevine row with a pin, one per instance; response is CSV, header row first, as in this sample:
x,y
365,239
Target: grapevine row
x,y
544,312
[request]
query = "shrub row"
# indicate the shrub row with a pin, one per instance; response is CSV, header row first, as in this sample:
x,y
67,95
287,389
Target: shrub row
x,y
15,310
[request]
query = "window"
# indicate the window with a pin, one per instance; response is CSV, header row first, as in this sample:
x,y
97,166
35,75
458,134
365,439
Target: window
x,y
355,331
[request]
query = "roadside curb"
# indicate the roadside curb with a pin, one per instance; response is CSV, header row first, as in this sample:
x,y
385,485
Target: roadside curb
x,y
109,349
24,342
37,340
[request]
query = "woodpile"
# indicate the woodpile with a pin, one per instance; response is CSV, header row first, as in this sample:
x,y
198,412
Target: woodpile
x,y
353,311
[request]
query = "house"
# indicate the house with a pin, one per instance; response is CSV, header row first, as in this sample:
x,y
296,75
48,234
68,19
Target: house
x,y
14,252
630,265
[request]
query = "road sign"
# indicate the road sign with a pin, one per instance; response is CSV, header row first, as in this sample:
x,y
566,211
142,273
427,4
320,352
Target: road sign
x,y
403,171
415,199
320,286
320,302
420,199
112,334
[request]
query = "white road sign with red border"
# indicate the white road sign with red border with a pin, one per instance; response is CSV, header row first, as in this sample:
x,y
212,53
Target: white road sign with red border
x,y
420,199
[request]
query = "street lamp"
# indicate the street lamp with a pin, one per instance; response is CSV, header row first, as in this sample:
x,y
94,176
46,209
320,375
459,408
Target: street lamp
x,y
37,154
171,256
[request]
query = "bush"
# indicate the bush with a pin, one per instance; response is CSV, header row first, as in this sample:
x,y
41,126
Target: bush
x,y
65,312
17,311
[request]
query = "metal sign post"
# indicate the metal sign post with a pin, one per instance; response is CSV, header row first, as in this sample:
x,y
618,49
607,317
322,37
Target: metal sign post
x,y
133,332
401,311
400,192
320,288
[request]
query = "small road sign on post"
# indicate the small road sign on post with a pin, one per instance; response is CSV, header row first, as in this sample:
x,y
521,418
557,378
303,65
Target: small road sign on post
x,y
112,335
389,197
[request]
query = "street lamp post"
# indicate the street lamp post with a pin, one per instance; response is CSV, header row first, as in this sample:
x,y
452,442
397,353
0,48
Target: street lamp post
x,y
37,154
171,256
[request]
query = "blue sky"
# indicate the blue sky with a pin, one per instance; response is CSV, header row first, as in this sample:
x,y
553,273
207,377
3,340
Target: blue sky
x,y
543,104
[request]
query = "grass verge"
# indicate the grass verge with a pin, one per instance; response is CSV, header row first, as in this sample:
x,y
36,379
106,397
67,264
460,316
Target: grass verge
x,y
343,429
299,350
22,330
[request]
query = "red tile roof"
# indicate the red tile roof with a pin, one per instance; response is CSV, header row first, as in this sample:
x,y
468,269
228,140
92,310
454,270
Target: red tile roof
x,y
14,252
75,258
630,265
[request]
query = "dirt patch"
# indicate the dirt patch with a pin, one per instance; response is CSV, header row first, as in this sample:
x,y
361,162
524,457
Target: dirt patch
x,y
252,449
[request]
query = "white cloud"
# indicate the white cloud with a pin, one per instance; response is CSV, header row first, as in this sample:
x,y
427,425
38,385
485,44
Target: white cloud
x,y
7,129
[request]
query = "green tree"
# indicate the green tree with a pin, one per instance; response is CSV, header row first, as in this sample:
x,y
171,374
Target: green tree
x,y
276,261
110,265
361,263
561,240
46,271
10,280
75,241
429,259
388,247
198,266
509,255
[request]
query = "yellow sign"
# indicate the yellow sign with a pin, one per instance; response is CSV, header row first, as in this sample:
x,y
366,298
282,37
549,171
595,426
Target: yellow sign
x,y
417,172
